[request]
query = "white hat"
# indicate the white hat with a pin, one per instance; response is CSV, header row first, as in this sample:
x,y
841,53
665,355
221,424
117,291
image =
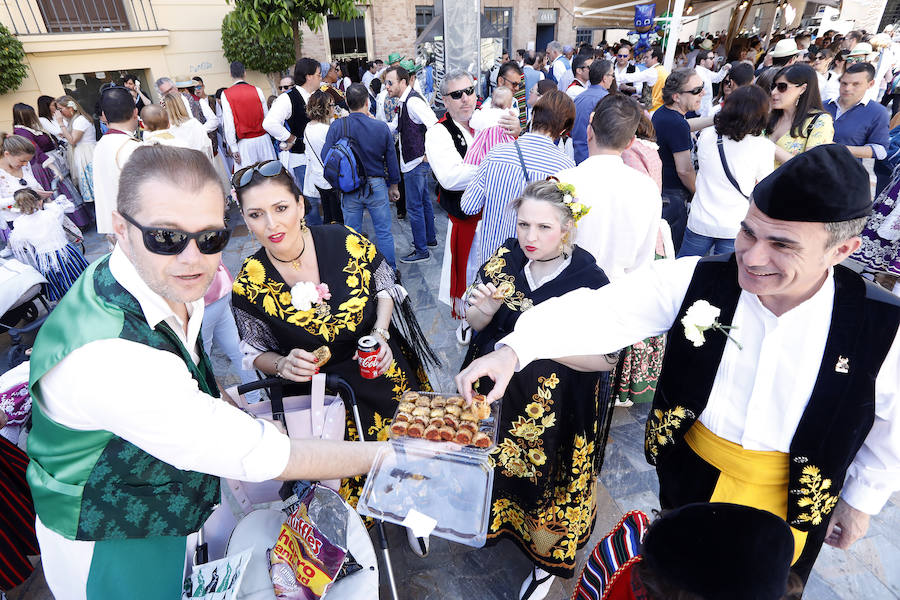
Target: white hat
x,y
785,47
861,49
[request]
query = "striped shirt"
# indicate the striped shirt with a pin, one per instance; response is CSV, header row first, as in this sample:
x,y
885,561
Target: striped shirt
x,y
500,180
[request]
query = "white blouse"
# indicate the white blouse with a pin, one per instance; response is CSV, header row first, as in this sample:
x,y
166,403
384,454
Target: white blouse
x,y
89,134
9,185
38,236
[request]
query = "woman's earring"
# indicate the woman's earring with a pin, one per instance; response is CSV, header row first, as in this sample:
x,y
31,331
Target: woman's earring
x,y
303,227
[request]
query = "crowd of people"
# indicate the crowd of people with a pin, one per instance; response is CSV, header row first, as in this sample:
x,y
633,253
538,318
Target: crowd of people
x,y
616,233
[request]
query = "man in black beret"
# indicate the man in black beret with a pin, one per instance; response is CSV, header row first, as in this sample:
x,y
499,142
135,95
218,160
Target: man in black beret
x,y
782,369
715,551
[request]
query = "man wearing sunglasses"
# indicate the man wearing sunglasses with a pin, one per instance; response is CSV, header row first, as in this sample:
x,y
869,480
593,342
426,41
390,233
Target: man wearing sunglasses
x,y
130,436
445,146
415,118
681,94
623,66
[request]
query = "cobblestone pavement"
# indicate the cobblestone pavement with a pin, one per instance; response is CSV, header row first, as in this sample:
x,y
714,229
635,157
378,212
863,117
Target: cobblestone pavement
x,y
455,572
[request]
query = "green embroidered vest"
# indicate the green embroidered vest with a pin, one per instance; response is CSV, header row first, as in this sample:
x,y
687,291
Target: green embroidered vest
x,y
94,485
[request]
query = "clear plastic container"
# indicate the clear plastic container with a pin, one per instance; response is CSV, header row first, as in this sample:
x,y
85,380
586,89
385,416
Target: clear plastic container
x,y
489,427
449,484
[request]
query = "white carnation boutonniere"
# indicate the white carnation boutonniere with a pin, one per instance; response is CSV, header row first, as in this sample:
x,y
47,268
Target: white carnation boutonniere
x,y
700,317
306,294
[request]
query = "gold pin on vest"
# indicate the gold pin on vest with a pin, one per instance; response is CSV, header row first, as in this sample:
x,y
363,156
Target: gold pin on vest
x,y
843,365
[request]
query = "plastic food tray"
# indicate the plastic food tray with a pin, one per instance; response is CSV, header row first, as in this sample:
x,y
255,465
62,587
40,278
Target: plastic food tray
x,y
490,426
452,487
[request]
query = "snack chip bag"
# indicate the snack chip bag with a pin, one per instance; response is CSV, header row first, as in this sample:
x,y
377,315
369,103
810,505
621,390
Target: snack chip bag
x,y
217,580
304,562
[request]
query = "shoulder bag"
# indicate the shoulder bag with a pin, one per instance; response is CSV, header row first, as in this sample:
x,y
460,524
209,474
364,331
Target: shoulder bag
x,y
727,170
315,416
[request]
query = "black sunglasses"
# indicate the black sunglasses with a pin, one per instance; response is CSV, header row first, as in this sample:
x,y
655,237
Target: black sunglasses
x,y
169,242
459,93
622,55
285,87
694,92
269,168
782,87
22,182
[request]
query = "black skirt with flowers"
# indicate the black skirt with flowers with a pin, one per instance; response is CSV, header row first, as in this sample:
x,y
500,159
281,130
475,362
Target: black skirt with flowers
x,y
551,426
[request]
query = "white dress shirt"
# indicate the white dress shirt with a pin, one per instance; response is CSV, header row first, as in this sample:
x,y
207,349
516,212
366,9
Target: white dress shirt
x,y
446,163
709,78
420,113
648,76
273,123
759,393
573,91
625,207
623,72
559,67
110,155
148,397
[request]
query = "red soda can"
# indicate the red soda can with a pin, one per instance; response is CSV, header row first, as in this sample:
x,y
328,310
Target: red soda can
x,y
367,351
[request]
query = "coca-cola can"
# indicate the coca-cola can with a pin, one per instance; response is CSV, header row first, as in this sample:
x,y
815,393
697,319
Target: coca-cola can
x,y
367,351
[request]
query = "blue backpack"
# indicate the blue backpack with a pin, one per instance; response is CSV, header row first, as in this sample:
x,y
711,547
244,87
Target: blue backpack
x,y
342,167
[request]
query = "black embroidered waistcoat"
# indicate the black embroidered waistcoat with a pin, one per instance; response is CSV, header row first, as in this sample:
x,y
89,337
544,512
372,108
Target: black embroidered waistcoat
x,y
841,407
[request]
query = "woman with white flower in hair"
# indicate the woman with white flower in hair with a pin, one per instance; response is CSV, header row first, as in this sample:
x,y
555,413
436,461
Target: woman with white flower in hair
x,y
308,287
553,422
77,128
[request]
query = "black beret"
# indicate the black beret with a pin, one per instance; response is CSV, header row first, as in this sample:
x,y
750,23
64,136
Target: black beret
x,y
721,551
825,184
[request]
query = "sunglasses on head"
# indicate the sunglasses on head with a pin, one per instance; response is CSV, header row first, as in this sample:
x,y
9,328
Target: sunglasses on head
x,y
459,93
169,242
694,92
269,168
782,86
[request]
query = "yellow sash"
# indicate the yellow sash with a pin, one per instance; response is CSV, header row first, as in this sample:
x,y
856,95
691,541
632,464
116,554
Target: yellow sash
x,y
749,477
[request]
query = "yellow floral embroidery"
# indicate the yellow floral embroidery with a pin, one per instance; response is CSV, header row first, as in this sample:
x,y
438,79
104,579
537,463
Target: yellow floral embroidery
x,y
520,454
318,320
493,269
661,428
553,534
814,496
355,246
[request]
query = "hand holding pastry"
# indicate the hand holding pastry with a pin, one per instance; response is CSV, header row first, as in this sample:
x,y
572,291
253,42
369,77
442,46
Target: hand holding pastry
x,y
483,297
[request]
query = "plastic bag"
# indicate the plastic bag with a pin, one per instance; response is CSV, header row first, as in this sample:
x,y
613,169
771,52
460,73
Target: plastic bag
x,y
311,547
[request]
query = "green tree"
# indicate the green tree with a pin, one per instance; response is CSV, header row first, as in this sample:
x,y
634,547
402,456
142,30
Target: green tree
x,y
12,61
239,42
274,19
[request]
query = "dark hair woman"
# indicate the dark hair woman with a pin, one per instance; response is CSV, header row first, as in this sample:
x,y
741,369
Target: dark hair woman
x,y
320,110
27,125
733,156
308,287
797,121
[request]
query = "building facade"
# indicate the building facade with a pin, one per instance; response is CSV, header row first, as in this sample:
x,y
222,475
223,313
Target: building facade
x,y
74,46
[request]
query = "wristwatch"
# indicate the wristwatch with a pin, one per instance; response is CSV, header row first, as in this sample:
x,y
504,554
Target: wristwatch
x,y
384,333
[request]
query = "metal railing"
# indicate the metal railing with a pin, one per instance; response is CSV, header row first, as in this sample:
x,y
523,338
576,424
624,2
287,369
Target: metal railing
x,y
31,17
